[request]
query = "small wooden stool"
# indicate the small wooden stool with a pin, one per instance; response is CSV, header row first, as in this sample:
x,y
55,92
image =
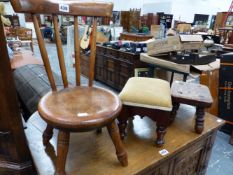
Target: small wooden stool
x,y
149,97
191,94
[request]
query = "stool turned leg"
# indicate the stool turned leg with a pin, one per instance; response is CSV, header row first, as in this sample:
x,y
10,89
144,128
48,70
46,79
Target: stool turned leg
x,y
122,124
47,134
231,139
122,121
174,111
120,150
199,125
62,150
161,131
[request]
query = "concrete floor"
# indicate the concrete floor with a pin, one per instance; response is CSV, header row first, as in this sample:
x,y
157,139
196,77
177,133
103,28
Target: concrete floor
x,y
221,161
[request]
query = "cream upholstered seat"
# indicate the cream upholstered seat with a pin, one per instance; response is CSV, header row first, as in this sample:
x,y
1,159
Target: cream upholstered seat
x,y
148,93
149,97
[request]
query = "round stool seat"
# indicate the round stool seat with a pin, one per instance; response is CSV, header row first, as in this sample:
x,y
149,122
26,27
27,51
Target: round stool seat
x,y
79,108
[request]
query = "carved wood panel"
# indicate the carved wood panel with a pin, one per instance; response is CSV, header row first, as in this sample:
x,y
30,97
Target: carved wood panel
x,y
193,160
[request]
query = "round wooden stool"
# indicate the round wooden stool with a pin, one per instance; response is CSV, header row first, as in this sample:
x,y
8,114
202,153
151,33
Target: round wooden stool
x,y
80,109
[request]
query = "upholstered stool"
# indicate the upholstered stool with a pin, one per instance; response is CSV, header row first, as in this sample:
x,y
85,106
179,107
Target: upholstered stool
x,y
192,94
149,97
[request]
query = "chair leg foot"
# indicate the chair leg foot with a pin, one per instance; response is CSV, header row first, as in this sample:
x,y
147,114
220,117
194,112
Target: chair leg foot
x,y
120,150
47,134
62,150
161,131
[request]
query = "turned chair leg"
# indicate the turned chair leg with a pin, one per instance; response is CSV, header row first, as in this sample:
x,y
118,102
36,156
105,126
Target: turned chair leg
x,y
161,131
122,124
62,150
174,111
123,121
199,125
47,134
120,150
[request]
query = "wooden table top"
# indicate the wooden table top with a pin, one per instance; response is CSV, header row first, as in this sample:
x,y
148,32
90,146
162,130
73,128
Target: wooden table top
x,y
91,153
192,93
23,58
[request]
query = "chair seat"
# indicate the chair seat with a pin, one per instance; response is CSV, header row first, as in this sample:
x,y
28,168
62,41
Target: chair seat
x,y
79,108
147,92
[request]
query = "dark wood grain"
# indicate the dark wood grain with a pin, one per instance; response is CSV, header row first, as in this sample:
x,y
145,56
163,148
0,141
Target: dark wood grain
x,y
15,157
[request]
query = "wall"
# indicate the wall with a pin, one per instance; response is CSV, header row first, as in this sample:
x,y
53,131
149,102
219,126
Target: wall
x,y
147,6
153,6
181,9
9,10
185,9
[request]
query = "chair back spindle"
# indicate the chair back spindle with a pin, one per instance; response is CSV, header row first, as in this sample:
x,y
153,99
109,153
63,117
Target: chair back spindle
x,y
60,51
44,53
77,51
73,8
93,53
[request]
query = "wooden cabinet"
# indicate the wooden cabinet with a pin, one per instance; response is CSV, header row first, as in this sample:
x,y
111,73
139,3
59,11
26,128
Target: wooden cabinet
x,y
219,19
130,19
210,79
193,160
149,19
15,158
188,152
114,67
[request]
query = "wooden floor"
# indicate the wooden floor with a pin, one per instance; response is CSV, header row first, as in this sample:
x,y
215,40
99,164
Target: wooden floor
x,y
91,153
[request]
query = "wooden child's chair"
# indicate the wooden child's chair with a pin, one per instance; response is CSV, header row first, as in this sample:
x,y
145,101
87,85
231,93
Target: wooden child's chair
x,y
79,108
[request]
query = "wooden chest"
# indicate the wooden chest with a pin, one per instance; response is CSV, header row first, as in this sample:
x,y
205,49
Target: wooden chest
x,y
91,153
113,67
